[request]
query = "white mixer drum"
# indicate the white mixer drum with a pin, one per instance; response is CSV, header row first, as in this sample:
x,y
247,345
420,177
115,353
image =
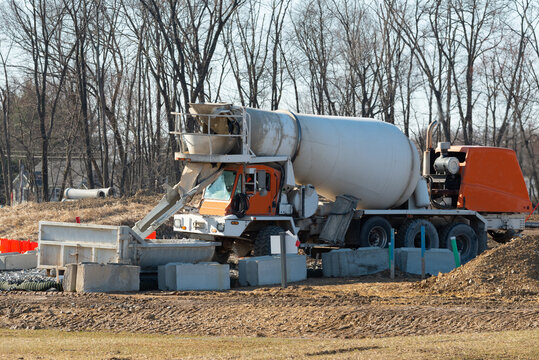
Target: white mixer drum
x,y
369,159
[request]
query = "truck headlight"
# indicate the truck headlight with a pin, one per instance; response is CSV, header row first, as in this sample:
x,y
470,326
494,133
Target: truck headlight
x,y
177,223
221,227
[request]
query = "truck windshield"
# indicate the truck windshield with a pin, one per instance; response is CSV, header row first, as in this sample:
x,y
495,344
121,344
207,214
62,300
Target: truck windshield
x,y
221,189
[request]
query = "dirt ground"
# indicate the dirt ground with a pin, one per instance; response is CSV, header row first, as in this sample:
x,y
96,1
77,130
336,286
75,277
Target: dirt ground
x,y
498,291
330,308
464,300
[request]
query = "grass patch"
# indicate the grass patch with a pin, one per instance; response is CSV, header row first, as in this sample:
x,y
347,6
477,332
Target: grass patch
x,y
48,344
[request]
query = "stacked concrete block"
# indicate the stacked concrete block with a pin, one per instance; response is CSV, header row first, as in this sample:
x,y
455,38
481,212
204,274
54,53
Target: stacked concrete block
x,y
347,262
266,270
69,282
200,276
242,268
166,276
93,277
16,261
436,260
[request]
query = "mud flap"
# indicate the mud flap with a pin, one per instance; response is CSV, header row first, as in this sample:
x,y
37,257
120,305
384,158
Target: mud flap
x,y
339,219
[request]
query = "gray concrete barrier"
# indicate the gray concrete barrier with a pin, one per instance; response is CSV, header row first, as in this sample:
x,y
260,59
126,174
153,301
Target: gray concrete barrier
x,y
16,261
200,276
436,260
266,270
348,262
69,282
92,277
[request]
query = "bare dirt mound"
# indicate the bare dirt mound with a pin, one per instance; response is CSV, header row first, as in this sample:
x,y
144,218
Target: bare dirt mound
x,y
21,221
508,270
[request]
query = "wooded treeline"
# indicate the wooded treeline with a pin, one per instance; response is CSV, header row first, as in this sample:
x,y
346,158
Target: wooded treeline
x,y
95,81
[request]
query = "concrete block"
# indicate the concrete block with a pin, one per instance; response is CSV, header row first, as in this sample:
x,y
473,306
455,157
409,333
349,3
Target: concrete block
x,y
242,268
266,270
347,262
70,278
18,261
202,276
92,277
331,263
161,277
166,276
436,260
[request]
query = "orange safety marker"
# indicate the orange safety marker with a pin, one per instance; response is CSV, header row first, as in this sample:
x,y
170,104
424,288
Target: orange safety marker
x,y
529,216
20,246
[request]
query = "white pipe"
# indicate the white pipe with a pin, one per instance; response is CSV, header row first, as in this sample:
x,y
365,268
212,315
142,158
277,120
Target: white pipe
x,y
76,194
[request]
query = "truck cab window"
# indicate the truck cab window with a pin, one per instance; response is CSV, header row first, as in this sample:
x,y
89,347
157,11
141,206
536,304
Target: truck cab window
x,y
221,189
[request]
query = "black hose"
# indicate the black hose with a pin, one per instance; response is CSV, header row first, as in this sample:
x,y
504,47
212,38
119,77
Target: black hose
x,y
240,204
31,286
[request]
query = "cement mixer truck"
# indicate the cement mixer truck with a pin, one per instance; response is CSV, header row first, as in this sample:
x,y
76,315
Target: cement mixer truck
x,y
337,182
331,181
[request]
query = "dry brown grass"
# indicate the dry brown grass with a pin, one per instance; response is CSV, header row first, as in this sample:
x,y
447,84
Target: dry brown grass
x,y
21,221
46,344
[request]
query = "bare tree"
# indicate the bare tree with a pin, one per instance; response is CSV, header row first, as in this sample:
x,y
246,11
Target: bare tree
x,y
41,32
313,29
5,99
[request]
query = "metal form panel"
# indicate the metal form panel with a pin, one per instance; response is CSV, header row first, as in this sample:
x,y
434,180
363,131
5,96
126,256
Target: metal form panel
x,y
61,244
66,243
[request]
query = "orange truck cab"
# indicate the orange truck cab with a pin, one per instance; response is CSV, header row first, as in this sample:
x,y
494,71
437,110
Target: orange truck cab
x,y
230,194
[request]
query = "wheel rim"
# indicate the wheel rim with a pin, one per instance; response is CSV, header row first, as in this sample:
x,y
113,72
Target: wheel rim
x,y
463,244
417,241
377,237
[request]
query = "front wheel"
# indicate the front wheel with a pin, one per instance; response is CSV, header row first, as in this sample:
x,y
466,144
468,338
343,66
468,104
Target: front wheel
x,y
263,240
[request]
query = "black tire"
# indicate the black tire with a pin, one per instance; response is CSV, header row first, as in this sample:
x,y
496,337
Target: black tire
x,y
409,234
481,241
221,256
375,232
263,241
467,241
502,237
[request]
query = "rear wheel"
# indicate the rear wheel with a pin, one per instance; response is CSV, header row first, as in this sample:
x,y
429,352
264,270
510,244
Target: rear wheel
x,y
409,234
466,238
263,240
375,232
503,236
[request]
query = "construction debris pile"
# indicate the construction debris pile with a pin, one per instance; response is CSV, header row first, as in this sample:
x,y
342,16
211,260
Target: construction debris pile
x,y
509,270
30,275
31,279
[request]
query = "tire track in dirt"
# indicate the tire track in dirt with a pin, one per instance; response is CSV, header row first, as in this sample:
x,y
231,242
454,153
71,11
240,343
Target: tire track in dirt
x,y
299,311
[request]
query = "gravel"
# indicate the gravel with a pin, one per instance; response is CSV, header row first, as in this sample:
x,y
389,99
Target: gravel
x,y
31,275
